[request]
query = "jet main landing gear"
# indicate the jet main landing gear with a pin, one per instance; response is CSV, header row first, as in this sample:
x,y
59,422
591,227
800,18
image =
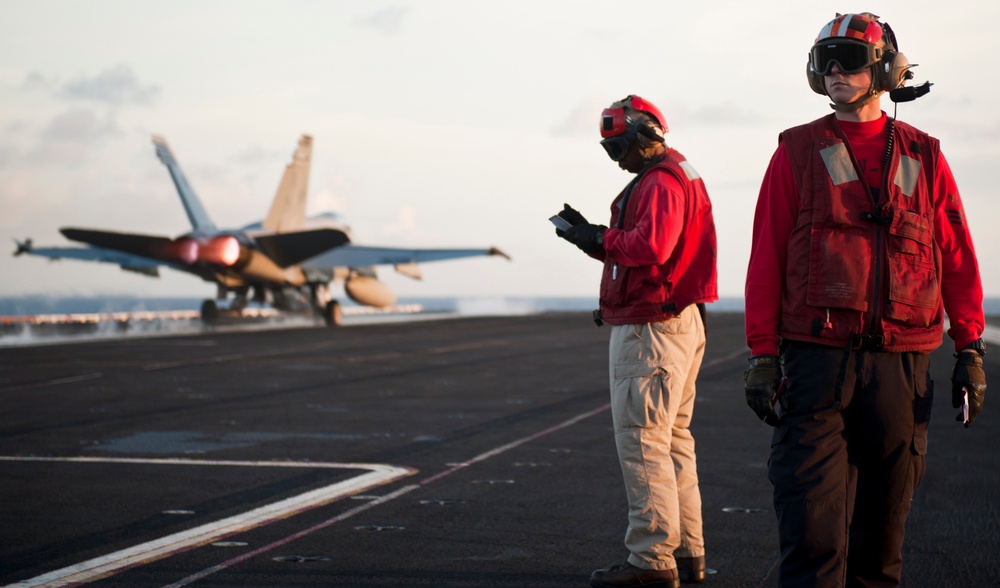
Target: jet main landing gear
x,y
333,315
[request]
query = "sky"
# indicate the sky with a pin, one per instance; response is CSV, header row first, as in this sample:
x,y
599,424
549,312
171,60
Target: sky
x,y
439,123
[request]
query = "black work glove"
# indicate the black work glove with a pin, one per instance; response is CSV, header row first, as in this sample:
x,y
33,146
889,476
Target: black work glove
x,y
762,381
572,216
589,238
968,377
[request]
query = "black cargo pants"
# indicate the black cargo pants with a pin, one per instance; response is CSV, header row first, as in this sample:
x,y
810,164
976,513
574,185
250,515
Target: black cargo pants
x,y
846,457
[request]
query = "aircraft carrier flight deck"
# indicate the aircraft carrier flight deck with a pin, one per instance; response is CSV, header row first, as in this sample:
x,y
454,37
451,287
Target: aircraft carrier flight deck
x,y
454,453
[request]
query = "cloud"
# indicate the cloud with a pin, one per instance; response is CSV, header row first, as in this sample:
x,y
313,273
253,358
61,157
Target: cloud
x,y
324,201
10,141
15,127
405,222
7,155
36,81
116,86
73,134
80,124
387,21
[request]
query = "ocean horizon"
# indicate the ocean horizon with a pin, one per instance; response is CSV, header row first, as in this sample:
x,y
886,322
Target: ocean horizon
x,y
30,320
29,305
470,305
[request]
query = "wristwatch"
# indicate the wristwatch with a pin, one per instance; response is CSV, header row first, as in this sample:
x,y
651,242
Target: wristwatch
x,y
768,361
979,346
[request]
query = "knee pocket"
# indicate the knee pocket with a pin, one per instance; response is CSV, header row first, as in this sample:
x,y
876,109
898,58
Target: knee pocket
x,y
642,395
923,400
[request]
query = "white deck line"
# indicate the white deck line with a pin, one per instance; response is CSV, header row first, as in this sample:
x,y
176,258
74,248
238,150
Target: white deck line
x,y
94,569
392,496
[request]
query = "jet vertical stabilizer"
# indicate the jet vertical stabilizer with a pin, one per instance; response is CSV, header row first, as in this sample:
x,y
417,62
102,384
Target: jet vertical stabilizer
x,y
195,211
288,209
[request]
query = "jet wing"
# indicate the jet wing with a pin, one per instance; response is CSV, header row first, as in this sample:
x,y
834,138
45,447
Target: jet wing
x,y
288,249
362,256
126,261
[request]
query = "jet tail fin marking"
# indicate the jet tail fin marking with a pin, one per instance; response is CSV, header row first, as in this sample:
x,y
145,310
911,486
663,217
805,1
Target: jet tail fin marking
x,y
195,211
288,209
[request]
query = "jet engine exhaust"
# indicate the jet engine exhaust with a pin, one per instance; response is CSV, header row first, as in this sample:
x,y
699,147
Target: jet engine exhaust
x,y
186,250
224,250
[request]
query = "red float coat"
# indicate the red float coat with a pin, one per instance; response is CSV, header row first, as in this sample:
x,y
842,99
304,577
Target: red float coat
x,y
663,257
829,262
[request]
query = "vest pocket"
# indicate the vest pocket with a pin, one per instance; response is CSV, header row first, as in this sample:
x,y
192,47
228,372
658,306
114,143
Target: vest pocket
x,y
614,284
912,230
839,260
914,294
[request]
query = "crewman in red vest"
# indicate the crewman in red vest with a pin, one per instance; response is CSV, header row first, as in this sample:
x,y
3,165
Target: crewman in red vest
x,y
860,247
659,255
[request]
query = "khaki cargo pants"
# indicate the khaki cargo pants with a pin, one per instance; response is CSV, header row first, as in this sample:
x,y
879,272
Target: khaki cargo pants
x,y
653,371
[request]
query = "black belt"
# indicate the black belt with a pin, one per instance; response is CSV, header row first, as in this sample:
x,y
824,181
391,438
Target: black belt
x,y
867,342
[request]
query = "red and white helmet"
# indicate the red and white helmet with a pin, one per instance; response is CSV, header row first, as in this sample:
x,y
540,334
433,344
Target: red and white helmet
x,y
856,42
624,119
861,27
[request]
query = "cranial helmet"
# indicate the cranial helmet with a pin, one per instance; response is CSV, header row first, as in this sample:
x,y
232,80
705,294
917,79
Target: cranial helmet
x,y
856,42
625,120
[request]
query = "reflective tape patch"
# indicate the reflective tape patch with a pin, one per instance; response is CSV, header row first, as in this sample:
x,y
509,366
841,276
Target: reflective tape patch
x,y
689,171
838,164
907,174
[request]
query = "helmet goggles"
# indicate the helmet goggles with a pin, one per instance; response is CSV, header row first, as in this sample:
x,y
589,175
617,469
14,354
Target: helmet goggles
x,y
851,56
617,128
617,147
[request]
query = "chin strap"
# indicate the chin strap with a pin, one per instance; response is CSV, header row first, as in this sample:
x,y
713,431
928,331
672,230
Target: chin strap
x,y
860,102
856,105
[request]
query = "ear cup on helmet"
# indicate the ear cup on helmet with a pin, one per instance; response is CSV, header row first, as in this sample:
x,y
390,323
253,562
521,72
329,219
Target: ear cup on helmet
x,y
815,80
892,71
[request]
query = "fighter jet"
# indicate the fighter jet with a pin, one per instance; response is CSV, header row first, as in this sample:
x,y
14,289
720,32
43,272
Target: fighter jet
x,y
287,260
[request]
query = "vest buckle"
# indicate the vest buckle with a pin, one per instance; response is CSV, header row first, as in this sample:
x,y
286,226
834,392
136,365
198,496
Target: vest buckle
x,y
872,342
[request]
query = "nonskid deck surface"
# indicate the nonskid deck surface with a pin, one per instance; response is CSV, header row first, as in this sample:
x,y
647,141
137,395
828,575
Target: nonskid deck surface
x,y
463,452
